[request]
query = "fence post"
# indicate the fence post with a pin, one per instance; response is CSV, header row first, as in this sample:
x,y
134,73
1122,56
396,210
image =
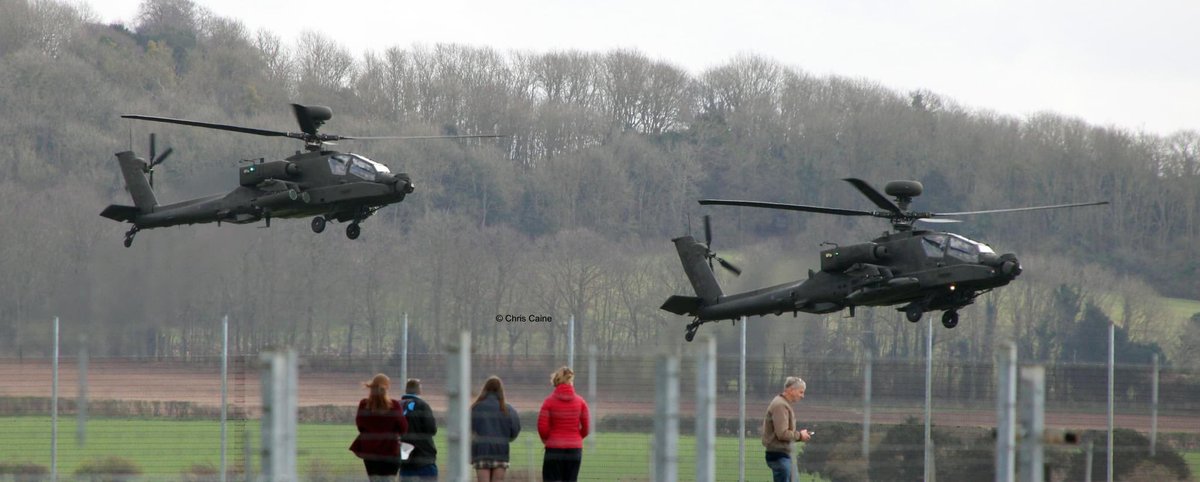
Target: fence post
x,y
1087,469
1154,408
1033,401
279,380
1111,349
81,406
706,410
404,351
866,428
571,343
224,395
929,469
666,420
1006,407
54,409
458,423
591,398
742,405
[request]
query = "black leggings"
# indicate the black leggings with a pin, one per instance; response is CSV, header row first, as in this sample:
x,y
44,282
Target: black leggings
x,y
561,465
382,467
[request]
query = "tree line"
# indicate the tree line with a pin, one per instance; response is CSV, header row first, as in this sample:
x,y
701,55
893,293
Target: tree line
x,y
570,214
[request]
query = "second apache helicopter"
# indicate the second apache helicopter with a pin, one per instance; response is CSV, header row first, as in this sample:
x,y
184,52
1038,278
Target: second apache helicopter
x,y
325,184
921,270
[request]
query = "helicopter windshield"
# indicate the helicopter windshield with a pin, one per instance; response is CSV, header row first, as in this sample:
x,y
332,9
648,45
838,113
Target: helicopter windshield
x,y
966,249
341,164
380,168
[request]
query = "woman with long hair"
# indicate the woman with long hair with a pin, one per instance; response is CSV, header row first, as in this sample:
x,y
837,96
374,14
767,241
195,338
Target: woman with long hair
x,y
494,424
563,423
380,425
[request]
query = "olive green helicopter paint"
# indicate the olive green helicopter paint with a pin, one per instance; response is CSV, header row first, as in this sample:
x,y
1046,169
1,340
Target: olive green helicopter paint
x,y
918,269
324,184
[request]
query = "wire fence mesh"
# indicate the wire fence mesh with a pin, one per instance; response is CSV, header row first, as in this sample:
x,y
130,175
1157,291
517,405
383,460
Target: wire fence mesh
x,y
159,417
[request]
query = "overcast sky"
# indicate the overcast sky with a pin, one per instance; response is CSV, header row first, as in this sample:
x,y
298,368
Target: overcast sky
x,y
1130,64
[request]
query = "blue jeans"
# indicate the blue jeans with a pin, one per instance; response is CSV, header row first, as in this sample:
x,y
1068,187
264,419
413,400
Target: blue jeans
x,y
428,472
781,466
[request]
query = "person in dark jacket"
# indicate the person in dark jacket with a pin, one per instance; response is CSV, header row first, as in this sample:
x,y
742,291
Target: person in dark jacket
x,y
494,424
421,464
563,423
380,426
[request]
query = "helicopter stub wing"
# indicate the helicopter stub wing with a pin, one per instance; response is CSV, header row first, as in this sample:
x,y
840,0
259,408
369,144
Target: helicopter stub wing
x,y
682,305
117,212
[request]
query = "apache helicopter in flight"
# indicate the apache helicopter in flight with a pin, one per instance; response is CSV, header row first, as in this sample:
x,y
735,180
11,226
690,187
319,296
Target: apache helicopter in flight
x,y
328,185
921,270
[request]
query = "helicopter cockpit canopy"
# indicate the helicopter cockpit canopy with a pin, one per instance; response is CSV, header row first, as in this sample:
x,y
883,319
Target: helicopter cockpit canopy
x,y
356,165
939,244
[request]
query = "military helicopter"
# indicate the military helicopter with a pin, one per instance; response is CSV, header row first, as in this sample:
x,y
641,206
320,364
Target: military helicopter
x,y
921,270
325,184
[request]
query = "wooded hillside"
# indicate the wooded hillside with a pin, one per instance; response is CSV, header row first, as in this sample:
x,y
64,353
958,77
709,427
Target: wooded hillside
x,y
572,214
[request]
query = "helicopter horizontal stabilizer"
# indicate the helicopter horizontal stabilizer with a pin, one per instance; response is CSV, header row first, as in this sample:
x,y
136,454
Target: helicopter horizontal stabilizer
x,y
121,213
682,305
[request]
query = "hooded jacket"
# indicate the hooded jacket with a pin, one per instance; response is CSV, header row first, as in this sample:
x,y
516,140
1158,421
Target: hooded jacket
x,y
379,432
492,430
421,429
564,420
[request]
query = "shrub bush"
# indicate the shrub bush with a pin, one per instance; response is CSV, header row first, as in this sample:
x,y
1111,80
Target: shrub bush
x,y
108,469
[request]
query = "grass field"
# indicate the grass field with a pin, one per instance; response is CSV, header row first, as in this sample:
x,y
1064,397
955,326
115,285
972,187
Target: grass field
x,y
165,449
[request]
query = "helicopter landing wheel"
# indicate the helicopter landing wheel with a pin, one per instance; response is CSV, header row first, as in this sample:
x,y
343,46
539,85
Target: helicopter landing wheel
x,y
950,319
129,236
692,328
352,231
913,313
318,224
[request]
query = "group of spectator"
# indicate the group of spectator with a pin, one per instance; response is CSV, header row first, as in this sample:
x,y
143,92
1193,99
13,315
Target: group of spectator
x,y
563,423
387,427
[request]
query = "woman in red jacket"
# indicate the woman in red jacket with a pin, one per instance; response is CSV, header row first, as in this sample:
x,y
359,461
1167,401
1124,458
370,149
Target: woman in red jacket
x,y
562,424
380,425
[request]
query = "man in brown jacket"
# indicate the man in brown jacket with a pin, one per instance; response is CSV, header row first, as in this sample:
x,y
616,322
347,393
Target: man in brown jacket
x,y
779,429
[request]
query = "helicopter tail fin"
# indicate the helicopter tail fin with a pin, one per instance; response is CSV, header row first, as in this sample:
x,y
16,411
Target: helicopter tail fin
x,y
133,169
693,254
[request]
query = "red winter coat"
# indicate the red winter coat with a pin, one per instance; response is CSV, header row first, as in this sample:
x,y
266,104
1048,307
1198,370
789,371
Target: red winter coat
x,y
564,420
379,433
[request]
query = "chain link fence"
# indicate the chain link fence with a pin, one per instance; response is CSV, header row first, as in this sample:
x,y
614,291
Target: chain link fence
x,y
160,418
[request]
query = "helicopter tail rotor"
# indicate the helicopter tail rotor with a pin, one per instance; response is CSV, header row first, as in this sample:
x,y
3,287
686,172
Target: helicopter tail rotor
x,y
155,160
712,255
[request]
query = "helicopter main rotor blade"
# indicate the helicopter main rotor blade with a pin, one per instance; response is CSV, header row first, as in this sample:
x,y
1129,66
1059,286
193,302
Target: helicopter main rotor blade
x,y
409,138
791,207
874,195
210,125
938,220
1011,210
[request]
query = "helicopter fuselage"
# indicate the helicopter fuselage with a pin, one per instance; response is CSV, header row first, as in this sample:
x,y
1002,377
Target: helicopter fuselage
x,y
327,184
927,269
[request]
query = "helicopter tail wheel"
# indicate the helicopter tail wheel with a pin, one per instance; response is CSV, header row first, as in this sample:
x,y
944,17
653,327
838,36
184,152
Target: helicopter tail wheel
x,y
318,224
950,319
691,330
129,236
913,313
352,231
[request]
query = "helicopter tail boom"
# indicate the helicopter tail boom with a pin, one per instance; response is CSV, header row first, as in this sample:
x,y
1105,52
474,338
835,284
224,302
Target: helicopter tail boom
x,y
134,169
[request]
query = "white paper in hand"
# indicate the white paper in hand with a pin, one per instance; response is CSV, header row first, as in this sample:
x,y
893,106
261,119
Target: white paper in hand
x,y
405,449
